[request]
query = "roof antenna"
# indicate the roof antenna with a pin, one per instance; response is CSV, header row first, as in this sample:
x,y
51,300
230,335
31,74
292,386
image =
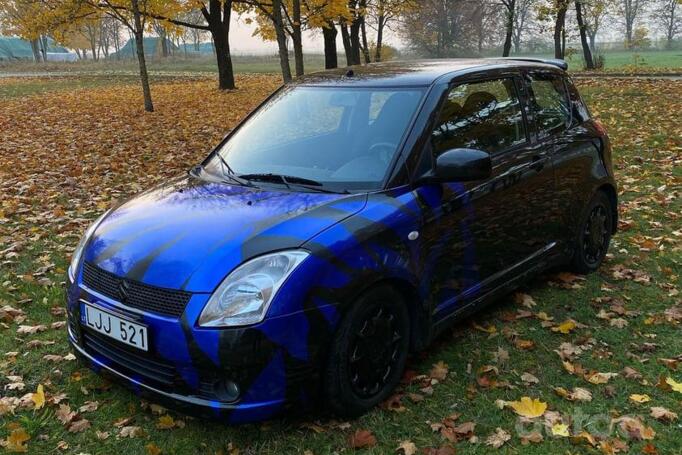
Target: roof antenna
x,y
350,73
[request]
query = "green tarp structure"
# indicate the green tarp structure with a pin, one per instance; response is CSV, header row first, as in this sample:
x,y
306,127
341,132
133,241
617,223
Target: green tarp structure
x,y
12,48
152,48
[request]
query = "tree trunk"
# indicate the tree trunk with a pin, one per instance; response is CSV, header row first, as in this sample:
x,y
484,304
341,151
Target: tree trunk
x,y
139,46
559,28
278,24
297,38
355,41
331,59
347,47
43,47
587,53
593,44
363,30
36,50
218,18
511,9
164,44
380,37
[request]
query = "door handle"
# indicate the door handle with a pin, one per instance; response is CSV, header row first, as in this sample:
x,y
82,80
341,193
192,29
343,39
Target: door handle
x,y
537,163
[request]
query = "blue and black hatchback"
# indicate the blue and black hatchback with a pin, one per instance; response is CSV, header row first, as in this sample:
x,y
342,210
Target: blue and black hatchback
x,y
346,222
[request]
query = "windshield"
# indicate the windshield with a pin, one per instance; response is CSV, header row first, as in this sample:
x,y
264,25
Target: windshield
x,y
340,138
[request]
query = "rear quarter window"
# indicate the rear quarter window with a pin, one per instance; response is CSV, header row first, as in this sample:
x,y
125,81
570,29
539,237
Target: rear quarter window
x,y
578,107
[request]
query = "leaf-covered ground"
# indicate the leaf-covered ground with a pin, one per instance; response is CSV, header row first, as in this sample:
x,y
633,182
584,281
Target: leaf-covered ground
x,y
567,365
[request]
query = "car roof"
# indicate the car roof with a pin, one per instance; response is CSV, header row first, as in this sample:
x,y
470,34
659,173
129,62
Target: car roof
x,y
417,73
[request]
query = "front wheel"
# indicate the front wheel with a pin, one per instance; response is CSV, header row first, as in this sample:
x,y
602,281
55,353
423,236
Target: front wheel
x,y
369,352
594,234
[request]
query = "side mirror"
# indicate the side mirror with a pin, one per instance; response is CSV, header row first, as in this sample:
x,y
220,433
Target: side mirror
x,y
462,165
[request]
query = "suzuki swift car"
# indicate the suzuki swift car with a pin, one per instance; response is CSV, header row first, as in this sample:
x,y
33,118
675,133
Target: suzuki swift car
x,y
345,223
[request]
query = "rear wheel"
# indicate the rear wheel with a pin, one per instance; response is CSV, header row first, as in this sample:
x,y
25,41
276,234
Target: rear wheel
x,y
368,354
594,234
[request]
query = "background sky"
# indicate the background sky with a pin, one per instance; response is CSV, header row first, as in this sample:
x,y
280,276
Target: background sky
x,y
242,40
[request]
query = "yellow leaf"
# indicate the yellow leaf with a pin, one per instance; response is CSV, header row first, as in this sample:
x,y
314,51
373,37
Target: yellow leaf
x,y
600,378
152,449
676,386
166,422
560,429
38,397
490,329
16,441
528,407
564,327
640,398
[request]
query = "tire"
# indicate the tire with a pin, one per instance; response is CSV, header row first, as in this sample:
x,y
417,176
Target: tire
x,y
593,235
357,358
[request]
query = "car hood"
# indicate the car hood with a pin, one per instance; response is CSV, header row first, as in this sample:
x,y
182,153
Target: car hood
x,y
190,233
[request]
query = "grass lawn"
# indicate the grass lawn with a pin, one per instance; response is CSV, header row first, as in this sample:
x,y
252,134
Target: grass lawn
x,y
647,61
66,155
629,61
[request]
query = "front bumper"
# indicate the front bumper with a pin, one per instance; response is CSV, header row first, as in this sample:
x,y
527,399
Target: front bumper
x,y
185,364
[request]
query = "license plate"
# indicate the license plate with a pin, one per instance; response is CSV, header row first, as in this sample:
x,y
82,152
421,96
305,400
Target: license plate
x,y
115,327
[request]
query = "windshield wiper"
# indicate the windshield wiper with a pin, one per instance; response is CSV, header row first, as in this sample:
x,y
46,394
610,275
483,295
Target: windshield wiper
x,y
289,180
230,174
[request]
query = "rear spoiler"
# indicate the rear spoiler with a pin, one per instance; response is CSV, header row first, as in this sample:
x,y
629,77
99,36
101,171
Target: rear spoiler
x,y
549,61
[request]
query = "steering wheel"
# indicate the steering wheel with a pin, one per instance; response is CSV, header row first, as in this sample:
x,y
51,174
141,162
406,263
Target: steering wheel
x,y
384,150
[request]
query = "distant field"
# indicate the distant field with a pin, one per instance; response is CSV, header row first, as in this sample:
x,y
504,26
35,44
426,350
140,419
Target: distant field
x,y
242,64
651,61
627,60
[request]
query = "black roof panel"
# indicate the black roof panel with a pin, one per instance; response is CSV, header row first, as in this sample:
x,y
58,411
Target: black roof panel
x,y
411,73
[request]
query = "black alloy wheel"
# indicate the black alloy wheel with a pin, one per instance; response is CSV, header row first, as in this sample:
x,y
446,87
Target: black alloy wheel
x,y
594,234
375,351
369,352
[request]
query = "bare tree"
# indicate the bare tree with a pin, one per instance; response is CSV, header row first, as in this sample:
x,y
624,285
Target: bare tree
x,y
510,6
630,10
594,13
522,17
666,13
561,8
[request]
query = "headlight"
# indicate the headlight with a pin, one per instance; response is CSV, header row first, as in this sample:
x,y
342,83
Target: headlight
x,y
78,252
244,297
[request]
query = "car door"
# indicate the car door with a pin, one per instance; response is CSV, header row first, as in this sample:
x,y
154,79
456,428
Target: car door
x,y
554,133
477,234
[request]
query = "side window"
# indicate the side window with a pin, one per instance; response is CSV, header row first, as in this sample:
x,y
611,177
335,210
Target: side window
x,y
483,115
550,103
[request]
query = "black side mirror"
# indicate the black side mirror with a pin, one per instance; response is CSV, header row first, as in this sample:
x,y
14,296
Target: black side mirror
x,y
462,165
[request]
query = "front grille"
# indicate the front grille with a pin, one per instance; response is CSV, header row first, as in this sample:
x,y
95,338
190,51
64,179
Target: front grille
x,y
134,294
129,362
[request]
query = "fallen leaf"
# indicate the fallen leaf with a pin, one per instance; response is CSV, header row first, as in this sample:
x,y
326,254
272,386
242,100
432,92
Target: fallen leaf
x,y
165,422
528,407
361,439
565,327
16,441
38,397
131,432
498,438
674,385
407,448
535,437
560,429
663,414
439,371
78,426
637,398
